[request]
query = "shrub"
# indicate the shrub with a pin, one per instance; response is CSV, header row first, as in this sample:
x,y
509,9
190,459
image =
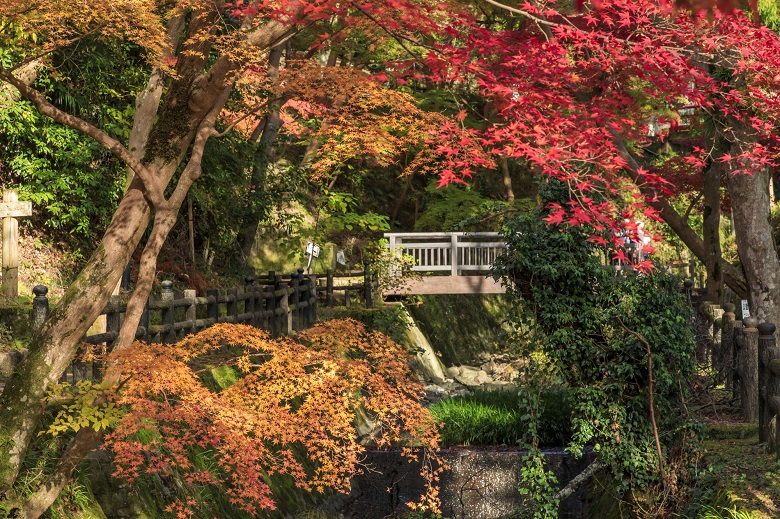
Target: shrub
x,y
290,417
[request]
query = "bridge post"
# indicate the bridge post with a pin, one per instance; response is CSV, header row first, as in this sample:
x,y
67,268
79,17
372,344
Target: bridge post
x,y
454,254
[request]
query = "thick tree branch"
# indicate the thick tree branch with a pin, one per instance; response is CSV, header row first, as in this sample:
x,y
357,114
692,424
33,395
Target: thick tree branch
x,y
732,276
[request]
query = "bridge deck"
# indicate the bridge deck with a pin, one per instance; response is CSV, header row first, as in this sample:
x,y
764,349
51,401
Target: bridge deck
x,y
449,285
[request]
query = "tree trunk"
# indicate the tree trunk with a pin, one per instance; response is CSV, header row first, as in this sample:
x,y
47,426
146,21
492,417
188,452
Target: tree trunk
x,y
756,247
264,153
55,344
711,232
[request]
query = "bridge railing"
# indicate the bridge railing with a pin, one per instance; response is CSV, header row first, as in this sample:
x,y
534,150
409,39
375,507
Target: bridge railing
x,y
449,252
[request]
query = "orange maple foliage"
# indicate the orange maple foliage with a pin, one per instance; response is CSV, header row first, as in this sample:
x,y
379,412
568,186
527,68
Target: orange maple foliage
x,y
358,119
292,414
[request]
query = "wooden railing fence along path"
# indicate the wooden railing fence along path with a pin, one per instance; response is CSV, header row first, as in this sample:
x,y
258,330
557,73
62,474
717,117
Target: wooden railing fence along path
x,y
746,359
275,303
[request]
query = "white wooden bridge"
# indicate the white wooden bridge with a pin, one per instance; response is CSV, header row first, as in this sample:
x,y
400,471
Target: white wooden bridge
x,y
451,262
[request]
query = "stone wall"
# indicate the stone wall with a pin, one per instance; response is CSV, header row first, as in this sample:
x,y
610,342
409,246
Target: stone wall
x,y
480,484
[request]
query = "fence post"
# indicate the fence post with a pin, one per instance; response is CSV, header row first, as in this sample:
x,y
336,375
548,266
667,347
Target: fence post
x,y
113,323
272,306
212,307
168,317
727,344
125,283
303,313
284,304
749,376
329,288
249,302
191,313
142,332
112,318
769,391
295,283
313,300
688,285
454,254
232,305
367,284
40,310
716,356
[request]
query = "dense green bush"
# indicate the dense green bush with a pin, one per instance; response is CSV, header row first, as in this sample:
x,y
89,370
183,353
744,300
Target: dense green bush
x,y
494,418
601,333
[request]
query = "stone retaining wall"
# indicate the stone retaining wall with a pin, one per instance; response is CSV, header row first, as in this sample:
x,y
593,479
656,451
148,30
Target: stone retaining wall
x,y
480,484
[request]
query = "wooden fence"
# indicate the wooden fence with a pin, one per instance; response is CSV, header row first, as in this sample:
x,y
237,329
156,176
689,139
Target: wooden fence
x,y
745,356
278,304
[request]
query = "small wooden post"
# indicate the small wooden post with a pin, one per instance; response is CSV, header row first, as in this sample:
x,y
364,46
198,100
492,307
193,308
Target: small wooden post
x,y
716,355
272,306
10,210
125,283
303,313
232,305
142,333
249,302
329,288
168,314
191,312
313,300
284,304
367,284
295,283
727,344
750,382
113,319
113,324
212,307
688,285
769,392
40,309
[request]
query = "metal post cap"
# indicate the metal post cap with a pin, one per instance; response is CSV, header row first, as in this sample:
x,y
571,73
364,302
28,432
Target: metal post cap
x,y
40,290
687,283
750,322
766,329
167,285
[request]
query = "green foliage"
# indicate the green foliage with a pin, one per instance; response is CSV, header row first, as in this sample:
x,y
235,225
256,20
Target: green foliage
x,y
451,206
709,512
338,212
769,10
592,327
89,407
73,182
67,176
496,418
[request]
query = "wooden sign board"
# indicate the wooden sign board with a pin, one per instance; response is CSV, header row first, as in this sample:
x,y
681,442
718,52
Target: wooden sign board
x,y
11,209
15,209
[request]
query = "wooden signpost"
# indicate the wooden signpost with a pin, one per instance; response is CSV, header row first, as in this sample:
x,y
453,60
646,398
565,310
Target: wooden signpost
x,y
11,209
